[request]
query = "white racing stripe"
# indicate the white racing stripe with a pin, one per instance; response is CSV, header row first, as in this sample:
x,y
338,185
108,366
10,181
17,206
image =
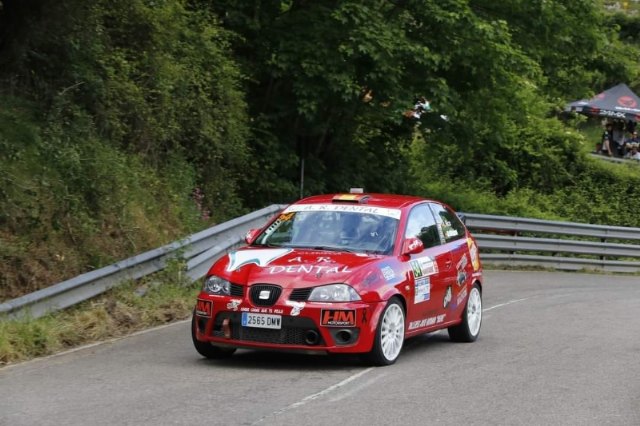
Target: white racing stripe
x,y
316,395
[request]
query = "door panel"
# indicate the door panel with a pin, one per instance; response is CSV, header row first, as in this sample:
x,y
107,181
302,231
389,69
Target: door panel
x,y
427,270
458,279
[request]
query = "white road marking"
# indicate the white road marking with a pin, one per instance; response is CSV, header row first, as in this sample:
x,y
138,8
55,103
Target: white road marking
x,y
357,388
316,395
505,304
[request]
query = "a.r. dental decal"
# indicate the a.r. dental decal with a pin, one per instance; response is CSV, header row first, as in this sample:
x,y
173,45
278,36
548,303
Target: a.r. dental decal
x,y
261,257
308,269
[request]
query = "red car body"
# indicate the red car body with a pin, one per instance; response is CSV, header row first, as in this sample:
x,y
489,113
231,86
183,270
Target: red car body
x,y
428,272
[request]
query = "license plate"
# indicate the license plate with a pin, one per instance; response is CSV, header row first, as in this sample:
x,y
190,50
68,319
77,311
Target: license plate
x,y
261,320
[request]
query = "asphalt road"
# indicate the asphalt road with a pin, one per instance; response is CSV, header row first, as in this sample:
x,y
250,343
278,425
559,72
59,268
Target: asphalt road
x,y
555,349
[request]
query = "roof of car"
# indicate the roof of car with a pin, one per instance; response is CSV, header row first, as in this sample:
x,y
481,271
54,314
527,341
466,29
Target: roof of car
x,y
381,200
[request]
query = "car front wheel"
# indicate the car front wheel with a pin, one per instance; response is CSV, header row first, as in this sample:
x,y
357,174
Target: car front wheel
x,y
469,329
206,349
389,336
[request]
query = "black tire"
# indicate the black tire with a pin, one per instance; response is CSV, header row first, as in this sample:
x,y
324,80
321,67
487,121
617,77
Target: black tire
x,y
206,349
386,349
469,329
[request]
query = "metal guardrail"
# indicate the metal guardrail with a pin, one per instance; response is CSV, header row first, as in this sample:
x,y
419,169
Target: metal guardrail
x,y
614,159
498,238
546,244
199,249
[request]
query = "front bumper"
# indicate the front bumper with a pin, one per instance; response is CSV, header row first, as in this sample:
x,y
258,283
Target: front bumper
x,y
316,327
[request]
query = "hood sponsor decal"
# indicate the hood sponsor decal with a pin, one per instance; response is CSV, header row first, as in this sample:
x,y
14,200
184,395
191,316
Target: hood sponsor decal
x,y
381,211
423,290
261,257
296,307
319,259
308,269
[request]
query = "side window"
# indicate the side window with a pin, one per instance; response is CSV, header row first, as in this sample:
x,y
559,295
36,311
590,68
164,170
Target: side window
x,y
421,224
450,225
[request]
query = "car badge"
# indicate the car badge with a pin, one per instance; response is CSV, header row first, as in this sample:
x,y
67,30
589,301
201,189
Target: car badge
x,y
264,295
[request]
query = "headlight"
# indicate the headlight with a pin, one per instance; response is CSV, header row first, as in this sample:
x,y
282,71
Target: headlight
x,y
334,293
216,285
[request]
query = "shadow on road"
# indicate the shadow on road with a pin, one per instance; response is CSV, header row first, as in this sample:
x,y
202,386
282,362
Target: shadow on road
x,y
288,361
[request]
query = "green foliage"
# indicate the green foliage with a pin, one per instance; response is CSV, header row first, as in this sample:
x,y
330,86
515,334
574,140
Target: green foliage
x,y
113,114
334,80
121,311
124,123
70,202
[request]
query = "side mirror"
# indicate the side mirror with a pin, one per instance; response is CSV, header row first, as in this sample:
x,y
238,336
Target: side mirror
x,y
412,246
251,235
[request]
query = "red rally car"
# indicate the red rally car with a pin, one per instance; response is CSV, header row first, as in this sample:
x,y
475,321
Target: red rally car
x,y
344,273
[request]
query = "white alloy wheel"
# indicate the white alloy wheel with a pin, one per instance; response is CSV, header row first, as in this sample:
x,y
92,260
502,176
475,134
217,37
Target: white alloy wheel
x,y
392,332
474,311
389,335
469,329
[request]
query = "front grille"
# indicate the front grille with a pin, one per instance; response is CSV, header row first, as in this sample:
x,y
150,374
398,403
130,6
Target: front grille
x,y
236,290
300,294
272,292
292,332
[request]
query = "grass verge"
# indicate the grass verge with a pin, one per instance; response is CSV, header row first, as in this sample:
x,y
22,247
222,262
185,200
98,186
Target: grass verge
x,y
162,298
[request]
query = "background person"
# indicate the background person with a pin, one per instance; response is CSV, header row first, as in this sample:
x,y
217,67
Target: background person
x,y
606,141
618,139
605,148
633,153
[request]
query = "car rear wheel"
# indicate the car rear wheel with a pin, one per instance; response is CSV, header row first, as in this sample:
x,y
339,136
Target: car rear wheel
x,y
206,349
469,329
389,336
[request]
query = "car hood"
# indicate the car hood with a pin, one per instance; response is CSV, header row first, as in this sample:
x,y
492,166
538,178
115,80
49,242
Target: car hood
x,y
292,267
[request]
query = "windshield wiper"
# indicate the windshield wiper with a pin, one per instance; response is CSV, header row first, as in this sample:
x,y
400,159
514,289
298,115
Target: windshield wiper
x,y
336,248
267,245
329,248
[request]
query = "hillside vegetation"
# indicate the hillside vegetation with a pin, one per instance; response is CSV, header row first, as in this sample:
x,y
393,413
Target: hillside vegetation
x,y
128,124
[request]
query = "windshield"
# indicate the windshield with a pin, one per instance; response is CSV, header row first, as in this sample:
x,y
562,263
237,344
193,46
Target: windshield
x,y
332,230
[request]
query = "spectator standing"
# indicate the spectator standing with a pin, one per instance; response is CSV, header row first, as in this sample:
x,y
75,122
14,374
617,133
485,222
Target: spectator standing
x,y
618,139
607,140
631,126
630,141
605,149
